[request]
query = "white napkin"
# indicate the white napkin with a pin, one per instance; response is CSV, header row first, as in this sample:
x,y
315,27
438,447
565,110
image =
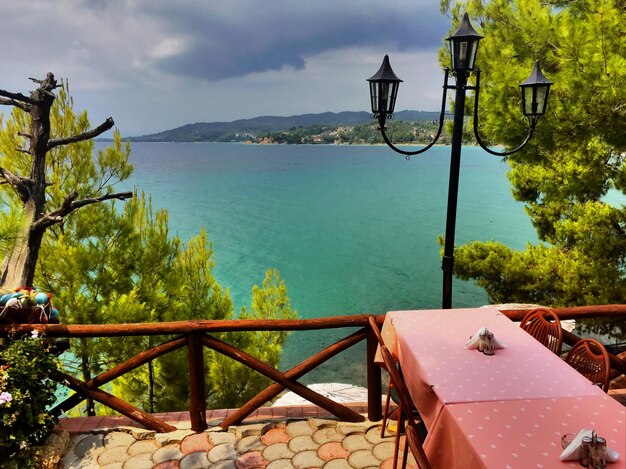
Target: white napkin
x,y
473,342
572,452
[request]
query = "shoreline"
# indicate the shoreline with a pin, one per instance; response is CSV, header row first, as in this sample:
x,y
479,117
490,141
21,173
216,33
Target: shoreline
x,y
290,144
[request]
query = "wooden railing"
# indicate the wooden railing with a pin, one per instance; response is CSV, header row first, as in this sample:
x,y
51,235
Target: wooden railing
x,y
194,335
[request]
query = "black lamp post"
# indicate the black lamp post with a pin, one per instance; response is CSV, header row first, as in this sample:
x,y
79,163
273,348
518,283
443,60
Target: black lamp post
x,y
463,49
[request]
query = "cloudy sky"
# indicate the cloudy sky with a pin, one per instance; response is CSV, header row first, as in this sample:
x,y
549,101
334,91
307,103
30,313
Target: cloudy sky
x,y
154,64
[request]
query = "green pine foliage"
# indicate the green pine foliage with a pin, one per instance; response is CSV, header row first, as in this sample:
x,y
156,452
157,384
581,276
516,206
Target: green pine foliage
x,y
576,156
270,301
12,223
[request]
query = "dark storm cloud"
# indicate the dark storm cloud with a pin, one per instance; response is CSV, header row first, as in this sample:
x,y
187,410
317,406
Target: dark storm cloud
x,y
242,37
157,64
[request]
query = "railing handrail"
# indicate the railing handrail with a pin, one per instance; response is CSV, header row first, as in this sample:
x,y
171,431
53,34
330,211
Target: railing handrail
x,y
188,326
572,312
241,325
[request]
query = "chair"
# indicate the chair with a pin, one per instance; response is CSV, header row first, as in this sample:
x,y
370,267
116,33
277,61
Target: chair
x,y
590,359
544,326
415,443
392,395
406,409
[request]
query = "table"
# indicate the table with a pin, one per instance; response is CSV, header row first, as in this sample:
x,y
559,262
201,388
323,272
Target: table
x,y
444,377
522,433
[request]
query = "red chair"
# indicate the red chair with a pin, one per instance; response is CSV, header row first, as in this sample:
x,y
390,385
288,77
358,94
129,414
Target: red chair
x,y
590,359
406,409
392,395
544,326
414,442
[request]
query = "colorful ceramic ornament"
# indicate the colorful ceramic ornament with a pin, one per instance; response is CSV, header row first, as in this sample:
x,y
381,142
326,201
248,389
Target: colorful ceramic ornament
x,y
12,302
41,298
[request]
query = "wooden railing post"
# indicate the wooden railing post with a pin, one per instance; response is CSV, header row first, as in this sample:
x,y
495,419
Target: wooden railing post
x,y
197,385
374,385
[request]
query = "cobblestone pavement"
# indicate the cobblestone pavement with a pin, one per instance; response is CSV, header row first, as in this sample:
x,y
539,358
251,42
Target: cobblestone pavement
x,y
271,444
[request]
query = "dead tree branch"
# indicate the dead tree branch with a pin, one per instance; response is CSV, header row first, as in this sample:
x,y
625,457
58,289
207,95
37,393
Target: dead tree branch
x,y
48,83
16,97
21,185
106,125
12,102
70,204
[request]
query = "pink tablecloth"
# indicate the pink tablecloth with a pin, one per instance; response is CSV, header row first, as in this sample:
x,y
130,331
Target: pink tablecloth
x,y
521,433
439,370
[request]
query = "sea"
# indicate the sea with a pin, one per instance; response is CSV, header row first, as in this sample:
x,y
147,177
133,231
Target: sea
x,y
351,229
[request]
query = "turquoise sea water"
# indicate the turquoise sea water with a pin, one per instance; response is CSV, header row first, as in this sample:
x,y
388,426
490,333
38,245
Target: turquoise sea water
x,y
352,229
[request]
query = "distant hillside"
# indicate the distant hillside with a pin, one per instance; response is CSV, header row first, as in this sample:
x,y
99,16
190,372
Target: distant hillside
x,y
241,129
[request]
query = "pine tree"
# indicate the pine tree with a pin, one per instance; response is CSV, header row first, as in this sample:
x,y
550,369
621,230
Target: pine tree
x,y
575,162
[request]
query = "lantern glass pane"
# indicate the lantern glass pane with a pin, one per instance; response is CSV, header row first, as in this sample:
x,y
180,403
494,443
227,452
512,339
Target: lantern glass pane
x,y
392,96
541,96
528,100
462,51
374,96
472,54
383,105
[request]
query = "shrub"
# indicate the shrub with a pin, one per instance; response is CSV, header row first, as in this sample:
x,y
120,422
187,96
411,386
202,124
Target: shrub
x,y
26,393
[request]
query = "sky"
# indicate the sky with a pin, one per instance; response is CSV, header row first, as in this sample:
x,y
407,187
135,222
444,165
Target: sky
x,y
154,65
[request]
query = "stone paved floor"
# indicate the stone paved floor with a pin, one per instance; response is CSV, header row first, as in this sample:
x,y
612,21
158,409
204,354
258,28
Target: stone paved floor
x,y
277,443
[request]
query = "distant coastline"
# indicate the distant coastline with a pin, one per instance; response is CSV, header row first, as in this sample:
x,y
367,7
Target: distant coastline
x,y
323,128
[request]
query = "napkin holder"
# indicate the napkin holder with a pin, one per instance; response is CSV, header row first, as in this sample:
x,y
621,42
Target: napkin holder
x,y
581,447
484,341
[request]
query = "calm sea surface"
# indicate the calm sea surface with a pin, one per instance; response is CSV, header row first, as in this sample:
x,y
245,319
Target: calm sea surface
x,y
352,229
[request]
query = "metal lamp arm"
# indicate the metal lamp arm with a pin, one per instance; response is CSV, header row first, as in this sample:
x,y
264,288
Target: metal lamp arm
x,y
531,130
382,119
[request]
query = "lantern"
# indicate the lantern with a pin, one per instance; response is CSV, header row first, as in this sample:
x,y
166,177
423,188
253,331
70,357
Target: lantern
x,y
464,46
384,90
535,91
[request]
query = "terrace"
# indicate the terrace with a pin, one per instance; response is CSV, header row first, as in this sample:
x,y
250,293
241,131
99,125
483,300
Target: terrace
x,y
325,434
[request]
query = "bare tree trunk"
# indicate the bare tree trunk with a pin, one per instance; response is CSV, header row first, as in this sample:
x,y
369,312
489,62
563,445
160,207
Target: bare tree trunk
x,y
18,267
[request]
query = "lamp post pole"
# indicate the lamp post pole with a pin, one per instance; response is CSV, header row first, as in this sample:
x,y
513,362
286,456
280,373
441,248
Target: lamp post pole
x,y
447,262
384,86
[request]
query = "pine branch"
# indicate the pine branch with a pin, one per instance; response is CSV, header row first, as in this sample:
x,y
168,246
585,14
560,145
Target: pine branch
x,y
70,204
106,125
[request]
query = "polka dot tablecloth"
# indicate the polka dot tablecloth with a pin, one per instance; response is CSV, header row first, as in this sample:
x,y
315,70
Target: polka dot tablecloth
x,y
449,381
440,370
522,433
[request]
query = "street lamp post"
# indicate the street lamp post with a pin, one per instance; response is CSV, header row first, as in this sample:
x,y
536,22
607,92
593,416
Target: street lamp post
x,y
384,86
